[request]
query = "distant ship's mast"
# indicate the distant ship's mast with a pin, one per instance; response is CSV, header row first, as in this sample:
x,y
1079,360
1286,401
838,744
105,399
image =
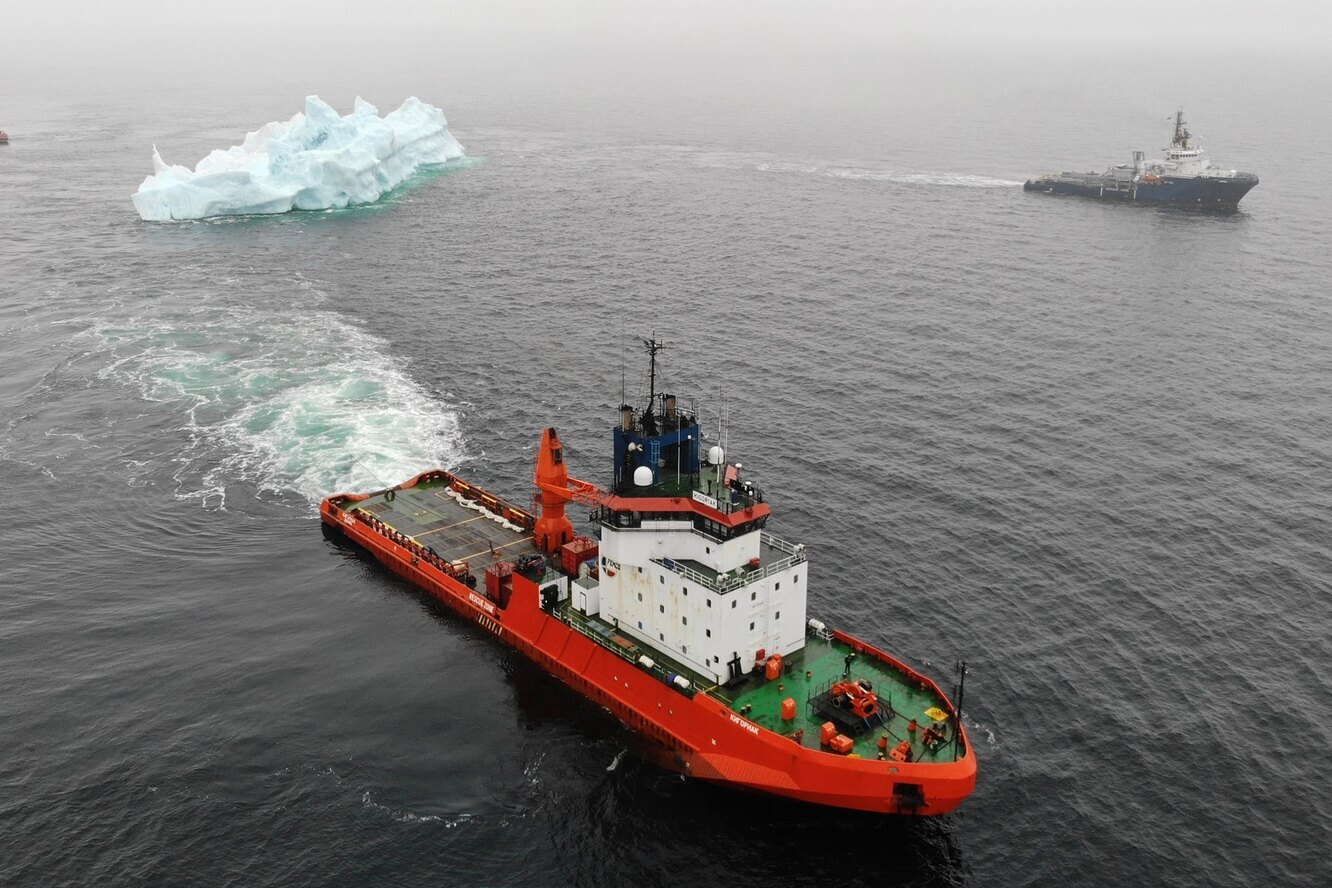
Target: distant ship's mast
x,y
1181,139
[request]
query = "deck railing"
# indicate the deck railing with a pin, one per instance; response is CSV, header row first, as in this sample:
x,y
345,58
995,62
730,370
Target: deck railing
x,y
582,629
728,581
782,545
631,655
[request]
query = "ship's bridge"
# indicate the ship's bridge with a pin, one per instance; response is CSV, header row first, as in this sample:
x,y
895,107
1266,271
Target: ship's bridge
x,y
686,567
1185,161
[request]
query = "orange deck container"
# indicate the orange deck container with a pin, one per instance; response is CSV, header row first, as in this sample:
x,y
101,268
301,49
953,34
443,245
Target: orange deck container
x,y
575,552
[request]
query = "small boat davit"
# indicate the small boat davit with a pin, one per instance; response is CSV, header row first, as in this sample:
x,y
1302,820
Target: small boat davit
x,y
1185,176
680,614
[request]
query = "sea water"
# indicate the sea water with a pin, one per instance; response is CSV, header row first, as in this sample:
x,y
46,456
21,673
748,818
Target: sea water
x,y
1084,447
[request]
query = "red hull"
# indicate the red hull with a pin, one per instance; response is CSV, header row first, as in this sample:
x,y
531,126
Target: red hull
x,y
703,737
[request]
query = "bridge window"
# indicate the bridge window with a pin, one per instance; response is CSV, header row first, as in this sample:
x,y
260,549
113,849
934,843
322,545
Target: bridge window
x,y
777,616
640,596
708,632
684,620
732,605
751,627
662,608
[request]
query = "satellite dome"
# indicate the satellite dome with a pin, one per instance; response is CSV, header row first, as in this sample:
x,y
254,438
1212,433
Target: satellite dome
x,y
643,476
716,455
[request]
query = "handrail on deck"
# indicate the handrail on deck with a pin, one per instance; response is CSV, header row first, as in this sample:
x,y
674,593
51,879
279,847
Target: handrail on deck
x,y
657,671
726,582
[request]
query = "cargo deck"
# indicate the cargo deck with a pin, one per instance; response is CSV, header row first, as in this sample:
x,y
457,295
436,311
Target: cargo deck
x,y
443,521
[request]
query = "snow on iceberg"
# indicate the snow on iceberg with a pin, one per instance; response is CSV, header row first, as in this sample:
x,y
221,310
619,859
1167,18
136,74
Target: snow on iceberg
x,y
315,161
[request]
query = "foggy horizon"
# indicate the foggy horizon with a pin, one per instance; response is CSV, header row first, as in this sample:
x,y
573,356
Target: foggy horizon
x,y
145,35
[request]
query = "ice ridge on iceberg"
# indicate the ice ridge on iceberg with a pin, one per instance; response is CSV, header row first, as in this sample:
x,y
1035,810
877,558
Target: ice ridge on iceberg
x,y
315,161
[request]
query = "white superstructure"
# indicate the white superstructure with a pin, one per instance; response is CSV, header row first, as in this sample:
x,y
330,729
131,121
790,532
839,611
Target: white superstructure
x,y
1184,158
706,601
685,565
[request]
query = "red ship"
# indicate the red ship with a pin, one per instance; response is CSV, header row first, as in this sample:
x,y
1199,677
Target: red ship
x,y
683,616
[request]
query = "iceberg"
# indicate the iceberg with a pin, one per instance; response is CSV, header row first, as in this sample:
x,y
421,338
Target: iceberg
x,y
315,161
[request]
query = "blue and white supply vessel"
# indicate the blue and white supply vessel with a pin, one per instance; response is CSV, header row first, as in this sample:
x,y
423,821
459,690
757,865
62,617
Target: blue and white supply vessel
x,y
1184,176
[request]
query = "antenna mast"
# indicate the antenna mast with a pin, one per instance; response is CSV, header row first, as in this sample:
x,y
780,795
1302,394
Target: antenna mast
x,y
653,346
1181,130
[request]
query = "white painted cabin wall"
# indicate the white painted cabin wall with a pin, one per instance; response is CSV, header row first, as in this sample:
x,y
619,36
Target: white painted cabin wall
x,y
667,611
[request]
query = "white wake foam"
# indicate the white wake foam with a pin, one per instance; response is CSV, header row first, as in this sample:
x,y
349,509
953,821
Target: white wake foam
x,y
955,180
302,403
315,161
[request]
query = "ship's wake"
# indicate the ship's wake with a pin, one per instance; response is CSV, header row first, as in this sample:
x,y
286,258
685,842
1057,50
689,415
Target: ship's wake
x,y
292,405
897,177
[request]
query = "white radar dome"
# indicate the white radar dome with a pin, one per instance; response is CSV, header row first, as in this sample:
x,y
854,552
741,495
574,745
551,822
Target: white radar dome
x,y
643,476
716,455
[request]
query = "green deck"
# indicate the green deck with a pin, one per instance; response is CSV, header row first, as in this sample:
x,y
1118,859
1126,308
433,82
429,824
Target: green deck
x,y
825,661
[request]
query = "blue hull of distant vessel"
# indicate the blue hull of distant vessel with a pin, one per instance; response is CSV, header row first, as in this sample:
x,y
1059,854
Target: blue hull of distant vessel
x,y
1194,190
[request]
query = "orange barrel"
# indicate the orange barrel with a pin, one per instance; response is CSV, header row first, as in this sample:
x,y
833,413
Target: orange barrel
x,y
883,742
827,732
788,709
912,727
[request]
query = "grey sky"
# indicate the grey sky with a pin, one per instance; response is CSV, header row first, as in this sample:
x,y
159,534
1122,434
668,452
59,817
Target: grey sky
x,y
142,32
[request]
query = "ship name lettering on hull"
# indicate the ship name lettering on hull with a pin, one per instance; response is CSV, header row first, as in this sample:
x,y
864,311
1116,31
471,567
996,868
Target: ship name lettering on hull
x,y
481,602
753,729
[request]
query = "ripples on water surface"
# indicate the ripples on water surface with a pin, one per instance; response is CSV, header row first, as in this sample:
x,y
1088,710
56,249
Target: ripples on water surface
x,y
1084,447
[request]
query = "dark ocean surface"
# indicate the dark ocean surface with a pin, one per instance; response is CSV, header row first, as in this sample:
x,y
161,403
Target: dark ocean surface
x,y
1085,447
